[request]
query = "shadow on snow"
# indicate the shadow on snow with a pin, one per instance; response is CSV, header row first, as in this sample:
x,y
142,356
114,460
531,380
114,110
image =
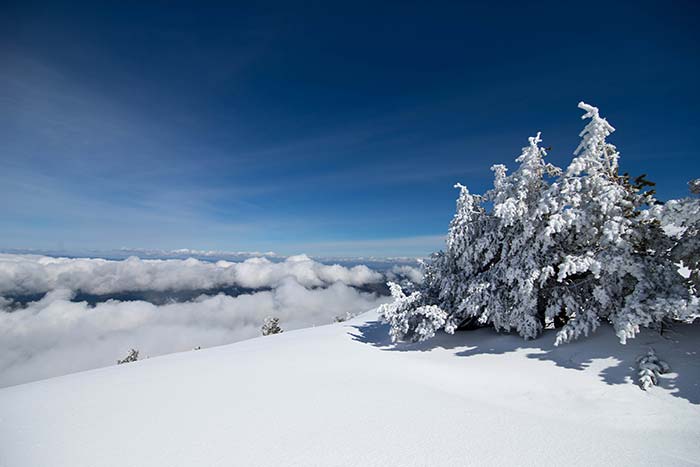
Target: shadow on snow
x,y
678,347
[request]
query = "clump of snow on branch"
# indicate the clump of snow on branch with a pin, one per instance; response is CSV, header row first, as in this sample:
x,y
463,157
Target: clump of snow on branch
x,y
410,319
570,248
650,367
694,186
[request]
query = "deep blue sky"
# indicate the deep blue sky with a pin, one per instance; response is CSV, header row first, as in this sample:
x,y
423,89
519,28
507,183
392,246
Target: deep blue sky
x,y
317,128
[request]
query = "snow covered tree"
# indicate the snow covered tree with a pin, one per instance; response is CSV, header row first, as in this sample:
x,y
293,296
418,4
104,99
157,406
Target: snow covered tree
x,y
573,248
681,220
131,357
517,294
491,271
271,325
610,257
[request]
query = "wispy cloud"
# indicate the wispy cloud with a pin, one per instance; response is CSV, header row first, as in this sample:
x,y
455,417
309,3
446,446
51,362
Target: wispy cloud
x,y
397,246
86,169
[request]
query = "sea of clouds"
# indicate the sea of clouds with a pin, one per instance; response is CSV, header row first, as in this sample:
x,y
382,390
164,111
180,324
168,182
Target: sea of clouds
x,y
56,334
30,274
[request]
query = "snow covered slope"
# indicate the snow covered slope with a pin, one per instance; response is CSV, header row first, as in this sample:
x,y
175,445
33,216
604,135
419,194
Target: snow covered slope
x,y
340,395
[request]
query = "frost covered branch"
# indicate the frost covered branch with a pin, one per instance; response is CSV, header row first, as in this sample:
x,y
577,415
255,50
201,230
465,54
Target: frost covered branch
x,y
650,367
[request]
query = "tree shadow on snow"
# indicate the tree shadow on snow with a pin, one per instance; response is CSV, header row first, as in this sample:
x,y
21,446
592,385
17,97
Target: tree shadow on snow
x,y
614,362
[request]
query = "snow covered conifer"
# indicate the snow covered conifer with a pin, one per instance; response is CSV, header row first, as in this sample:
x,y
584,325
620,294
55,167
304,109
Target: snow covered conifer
x,y
611,264
271,325
681,219
131,357
518,280
574,248
491,271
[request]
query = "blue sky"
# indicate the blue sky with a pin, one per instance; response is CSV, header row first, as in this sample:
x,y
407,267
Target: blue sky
x,y
325,129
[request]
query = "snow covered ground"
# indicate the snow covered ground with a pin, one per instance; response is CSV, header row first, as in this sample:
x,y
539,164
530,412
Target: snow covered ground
x,y
342,395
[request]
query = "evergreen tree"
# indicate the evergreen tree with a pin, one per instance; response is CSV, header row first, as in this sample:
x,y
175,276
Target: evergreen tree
x,y
271,325
131,357
609,262
587,247
681,219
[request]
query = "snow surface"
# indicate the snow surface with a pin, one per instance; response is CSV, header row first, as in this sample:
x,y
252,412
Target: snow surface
x,y
342,395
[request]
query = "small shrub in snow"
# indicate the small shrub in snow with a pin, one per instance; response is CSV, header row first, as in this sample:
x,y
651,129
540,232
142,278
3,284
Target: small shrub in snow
x,y
271,325
574,247
343,318
131,357
650,367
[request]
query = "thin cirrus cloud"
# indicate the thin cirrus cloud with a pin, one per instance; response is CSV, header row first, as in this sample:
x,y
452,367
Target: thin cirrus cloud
x,y
395,246
84,169
56,335
82,166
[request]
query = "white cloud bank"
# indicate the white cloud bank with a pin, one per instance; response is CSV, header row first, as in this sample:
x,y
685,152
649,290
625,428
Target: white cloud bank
x,y
28,274
412,273
55,335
